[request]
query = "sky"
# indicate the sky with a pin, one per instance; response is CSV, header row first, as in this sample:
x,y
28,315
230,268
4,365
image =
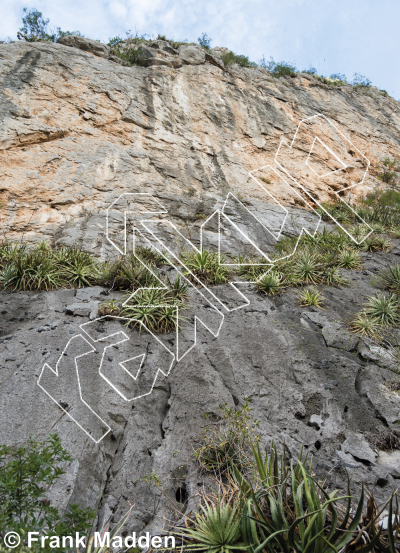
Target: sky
x,y
333,36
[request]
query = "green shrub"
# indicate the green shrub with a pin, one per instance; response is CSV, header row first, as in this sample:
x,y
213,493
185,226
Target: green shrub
x,y
204,41
227,442
373,209
279,69
129,49
35,28
338,77
230,58
388,171
385,198
310,71
27,474
360,80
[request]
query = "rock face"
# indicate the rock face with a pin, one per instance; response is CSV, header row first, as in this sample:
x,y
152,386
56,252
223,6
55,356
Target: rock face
x,y
93,46
306,389
78,131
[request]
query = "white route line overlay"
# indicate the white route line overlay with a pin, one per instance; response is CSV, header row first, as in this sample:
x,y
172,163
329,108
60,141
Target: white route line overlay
x,y
220,213
121,363
46,366
336,193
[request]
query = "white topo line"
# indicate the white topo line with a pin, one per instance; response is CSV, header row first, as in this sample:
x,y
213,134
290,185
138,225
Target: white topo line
x,y
219,309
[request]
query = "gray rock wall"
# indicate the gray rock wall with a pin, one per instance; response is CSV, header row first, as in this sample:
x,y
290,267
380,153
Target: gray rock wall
x,y
79,130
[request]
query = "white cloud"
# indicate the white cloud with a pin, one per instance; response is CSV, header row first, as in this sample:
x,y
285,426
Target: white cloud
x,y
118,9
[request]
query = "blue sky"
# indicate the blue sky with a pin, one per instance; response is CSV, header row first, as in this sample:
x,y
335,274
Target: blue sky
x,y
334,36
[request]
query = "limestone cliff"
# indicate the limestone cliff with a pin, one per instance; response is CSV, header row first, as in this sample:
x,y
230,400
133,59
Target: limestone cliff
x,y
78,130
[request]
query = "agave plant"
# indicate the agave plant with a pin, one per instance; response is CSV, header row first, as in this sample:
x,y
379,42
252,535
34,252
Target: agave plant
x,y
358,231
8,276
378,227
157,309
207,266
382,243
10,252
389,278
364,325
349,259
369,244
288,511
307,268
216,529
179,288
43,274
311,298
150,255
249,267
270,284
80,273
384,310
332,277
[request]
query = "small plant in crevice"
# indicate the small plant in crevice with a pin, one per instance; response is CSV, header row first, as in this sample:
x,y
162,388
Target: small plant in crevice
x,y
227,440
386,440
312,298
378,316
130,272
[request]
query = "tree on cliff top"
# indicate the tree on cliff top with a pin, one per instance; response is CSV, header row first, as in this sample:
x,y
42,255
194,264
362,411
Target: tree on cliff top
x,y
35,28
